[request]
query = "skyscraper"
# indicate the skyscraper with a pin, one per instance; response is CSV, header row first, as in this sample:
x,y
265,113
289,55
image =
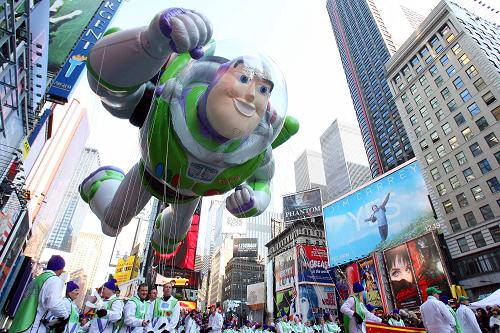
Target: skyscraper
x,y
309,172
86,256
366,40
446,79
344,159
72,210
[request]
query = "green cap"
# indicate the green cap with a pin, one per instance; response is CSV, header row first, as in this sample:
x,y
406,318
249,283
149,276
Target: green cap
x,y
463,298
433,290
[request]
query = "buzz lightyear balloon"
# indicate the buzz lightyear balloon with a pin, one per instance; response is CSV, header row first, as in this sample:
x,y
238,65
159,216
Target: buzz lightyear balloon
x,y
208,124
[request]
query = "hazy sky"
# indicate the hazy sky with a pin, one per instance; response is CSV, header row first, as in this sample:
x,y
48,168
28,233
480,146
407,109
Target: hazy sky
x,y
296,34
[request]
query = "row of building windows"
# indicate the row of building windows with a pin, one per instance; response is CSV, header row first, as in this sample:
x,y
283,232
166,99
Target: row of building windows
x,y
479,240
482,263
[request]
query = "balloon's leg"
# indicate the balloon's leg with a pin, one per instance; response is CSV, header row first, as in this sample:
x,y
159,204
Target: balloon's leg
x,y
172,225
115,198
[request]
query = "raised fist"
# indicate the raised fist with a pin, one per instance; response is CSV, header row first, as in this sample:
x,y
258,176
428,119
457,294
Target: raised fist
x,y
242,201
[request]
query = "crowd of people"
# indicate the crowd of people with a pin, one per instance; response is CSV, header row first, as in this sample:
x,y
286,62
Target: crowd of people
x,y
43,310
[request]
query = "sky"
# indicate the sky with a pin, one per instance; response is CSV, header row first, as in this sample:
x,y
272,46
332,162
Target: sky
x,y
297,35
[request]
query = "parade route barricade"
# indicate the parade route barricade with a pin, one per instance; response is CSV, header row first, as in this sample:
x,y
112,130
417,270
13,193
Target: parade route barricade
x,y
383,328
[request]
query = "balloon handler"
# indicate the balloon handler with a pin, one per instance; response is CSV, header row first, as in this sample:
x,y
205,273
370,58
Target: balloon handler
x,y
207,124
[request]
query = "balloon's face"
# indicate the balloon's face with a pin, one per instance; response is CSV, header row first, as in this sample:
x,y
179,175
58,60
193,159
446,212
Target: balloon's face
x,y
239,100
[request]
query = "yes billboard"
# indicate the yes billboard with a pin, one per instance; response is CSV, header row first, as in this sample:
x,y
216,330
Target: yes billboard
x,y
312,264
384,213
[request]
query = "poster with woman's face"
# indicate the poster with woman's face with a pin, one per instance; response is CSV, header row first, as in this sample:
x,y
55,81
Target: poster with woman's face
x,y
427,265
315,297
400,273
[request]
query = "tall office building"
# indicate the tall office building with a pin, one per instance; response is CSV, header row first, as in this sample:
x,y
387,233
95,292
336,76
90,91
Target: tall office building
x,y
72,209
309,172
446,83
86,256
344,159
367,33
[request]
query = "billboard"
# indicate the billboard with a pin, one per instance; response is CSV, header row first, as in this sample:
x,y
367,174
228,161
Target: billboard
x,y
401,278
127,269
182,277
313,298
302,205
183,257
284,270
245,247
285,302
427,264
369,280
256,296
312,264
69,41
382,214
39,28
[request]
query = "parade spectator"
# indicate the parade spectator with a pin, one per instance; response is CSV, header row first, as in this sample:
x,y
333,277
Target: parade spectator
x,y
355,312
483,320
395,319
166,311
495,320
435,315
43,295
136,312
466,317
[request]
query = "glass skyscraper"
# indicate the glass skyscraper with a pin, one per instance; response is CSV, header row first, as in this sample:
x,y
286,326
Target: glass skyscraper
x,y
366,43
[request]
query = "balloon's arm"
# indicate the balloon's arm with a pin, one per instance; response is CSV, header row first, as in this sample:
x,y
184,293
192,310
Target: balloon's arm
x,y
290,128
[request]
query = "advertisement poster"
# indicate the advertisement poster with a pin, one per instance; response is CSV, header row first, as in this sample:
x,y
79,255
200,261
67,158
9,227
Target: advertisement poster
x,y
403,283
245,247
380,215
256,296
312,264
284,270
285,302
312,298
302,205
427,265
184,256
369,280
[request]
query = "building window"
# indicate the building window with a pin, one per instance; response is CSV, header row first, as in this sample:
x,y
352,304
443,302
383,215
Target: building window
x,y
471,71
418,100
438,81
456,49
486,212
429,158
448,207
463,60
475,149
433,70
439,114
441,151
495,233
450,70
484,166
491,140
470,219
428,123
496,112
444,60
422,79
435,174
480,84
477,192
404,98
428,91
469,175
423,112
418,131
448,167
482,123
414,61
452,105
462,244
459,119
454,182
445,93
461,159
441,189
413,120
493,185
446,128
413,89
479,239
423,145
434,103
462,200
489,98
465,95
450,38
467,133
453,143
458,83
409,108
473,109
434,137
406,70
497,156
455,225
